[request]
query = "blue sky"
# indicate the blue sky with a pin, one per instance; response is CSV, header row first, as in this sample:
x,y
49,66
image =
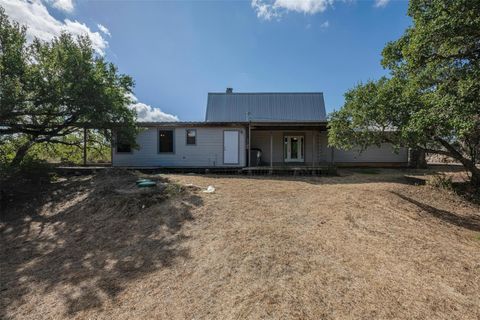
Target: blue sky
x,y
177,51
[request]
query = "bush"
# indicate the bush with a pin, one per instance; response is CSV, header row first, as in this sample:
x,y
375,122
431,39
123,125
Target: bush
x,y
98,150
441,181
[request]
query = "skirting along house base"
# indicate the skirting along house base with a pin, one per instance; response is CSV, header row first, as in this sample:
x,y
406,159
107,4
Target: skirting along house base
x,y
250,131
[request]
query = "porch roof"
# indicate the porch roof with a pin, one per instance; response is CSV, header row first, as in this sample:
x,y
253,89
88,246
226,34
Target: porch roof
x,y
302,125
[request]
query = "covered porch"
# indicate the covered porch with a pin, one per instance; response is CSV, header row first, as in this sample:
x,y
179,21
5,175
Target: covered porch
x,y
288,147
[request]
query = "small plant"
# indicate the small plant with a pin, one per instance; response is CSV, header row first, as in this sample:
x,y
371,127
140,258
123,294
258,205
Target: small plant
x,y
441,181
173,189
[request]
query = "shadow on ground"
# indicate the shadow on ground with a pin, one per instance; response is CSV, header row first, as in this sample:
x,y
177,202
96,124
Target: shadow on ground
x,y
344,176
88,237
471,221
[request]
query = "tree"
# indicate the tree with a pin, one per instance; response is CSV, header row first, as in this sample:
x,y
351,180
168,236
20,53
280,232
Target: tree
x,y
431,100
51,90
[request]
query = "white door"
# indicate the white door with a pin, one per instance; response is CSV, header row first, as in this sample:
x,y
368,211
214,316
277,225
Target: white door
x,y
230,147
293,149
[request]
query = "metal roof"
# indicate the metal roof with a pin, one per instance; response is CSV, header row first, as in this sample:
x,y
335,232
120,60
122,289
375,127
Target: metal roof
x,y
266,107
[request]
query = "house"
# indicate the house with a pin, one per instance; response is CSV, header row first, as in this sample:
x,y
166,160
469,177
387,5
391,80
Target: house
x,y
283,128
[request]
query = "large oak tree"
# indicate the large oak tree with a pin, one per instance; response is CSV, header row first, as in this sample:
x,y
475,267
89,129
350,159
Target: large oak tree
x,y
431,101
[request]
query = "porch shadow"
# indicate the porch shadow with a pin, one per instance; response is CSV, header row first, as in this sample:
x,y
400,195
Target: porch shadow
x,y
343,176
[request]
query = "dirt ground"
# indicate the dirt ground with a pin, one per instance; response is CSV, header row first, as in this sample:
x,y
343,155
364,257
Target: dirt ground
x,y
364,245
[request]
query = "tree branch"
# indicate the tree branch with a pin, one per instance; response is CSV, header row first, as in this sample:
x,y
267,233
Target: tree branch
x,y
50,140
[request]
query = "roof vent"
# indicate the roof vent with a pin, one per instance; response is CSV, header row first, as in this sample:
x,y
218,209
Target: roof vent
x,y
229,90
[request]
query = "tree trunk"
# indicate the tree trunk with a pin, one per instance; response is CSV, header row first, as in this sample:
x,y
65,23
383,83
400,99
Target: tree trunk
x,y
417,158
475,171
21,153
85,132
476,180
467,163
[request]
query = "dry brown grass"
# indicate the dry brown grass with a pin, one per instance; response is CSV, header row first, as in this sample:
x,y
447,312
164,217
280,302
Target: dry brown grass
x,y
359,246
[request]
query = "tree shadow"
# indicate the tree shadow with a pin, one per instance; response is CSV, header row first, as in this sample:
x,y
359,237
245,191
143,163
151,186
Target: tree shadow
x,y
102,236
470,222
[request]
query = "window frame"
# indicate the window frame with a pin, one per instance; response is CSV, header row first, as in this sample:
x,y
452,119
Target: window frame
x,y
173,141
186,137
302,149
117,144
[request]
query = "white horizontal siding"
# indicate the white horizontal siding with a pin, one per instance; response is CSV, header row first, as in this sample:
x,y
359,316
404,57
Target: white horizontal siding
x,y
208,152
316,149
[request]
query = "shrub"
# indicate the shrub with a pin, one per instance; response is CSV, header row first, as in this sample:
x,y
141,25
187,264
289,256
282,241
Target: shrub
x,y
441,181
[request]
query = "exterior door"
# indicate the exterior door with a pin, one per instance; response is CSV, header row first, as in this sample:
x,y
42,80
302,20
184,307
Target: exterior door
x,y
230,147
294,148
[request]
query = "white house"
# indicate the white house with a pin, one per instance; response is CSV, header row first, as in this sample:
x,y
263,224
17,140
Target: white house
x,y
285,129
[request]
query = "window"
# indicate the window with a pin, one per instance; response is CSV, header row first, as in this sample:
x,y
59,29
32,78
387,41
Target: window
x,y
294,148
191,137
165,141
122,145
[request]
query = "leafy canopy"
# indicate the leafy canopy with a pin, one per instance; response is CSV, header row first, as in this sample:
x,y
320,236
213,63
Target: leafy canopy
x,y
50,90
431,101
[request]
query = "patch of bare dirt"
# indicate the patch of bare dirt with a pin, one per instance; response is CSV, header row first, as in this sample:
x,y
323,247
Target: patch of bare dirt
x,y
357,246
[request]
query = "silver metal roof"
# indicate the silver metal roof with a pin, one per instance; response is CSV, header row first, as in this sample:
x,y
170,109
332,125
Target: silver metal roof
x,y
266,107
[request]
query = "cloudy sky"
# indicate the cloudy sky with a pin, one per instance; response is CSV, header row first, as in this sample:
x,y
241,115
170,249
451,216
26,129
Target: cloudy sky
x,y
179,51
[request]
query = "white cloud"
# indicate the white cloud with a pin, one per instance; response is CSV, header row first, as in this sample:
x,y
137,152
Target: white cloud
x,y
265,11
44,26
269,9
324,25
64,5
304,6
146,113
104,30
381,3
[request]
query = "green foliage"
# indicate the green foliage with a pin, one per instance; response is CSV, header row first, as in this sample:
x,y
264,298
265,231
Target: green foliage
x,y
8,148
173,189
431,100
372,114
13,63
32,167
98,150
51,90
441,181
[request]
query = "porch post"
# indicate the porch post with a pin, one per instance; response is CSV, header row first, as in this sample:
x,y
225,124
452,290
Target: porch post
x,y
314,153
249,143
271,149
112,145
84,146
